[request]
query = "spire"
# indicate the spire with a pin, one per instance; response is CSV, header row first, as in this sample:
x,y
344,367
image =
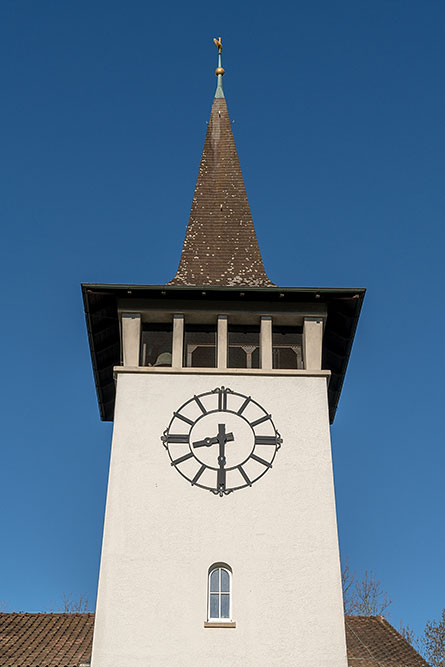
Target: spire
x,y
220,246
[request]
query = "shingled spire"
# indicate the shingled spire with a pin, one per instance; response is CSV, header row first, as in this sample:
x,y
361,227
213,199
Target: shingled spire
x,y
220,246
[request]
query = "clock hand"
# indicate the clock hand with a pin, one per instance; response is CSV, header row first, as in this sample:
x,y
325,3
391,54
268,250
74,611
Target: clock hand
x,y
222,437
207,442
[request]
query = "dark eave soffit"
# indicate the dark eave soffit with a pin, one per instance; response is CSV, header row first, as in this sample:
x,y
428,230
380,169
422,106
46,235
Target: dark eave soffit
x,y
100,302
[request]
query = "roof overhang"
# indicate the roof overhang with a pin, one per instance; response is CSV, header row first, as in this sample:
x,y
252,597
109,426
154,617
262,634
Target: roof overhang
x,y
343,307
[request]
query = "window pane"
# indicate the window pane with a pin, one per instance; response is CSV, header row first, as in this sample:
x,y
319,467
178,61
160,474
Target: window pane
x,y
244,345
225,581
287,345
214,611
203,356
156,345
214,581
225,604
237,357
200,345
285,357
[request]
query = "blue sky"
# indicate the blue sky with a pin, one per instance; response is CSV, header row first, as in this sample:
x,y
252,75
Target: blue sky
x,y
338,113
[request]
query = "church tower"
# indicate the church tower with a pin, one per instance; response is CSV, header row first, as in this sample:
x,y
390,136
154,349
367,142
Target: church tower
x,y
220,540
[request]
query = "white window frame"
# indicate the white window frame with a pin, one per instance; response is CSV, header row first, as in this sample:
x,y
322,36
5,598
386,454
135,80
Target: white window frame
x,y
219,619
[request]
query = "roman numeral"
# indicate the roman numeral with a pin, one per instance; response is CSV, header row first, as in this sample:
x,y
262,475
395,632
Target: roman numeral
x,y
198,474
260,421
243,473
183,458
200,405
173,438
184,419
221,481
244,406
265,439
260,460
222,399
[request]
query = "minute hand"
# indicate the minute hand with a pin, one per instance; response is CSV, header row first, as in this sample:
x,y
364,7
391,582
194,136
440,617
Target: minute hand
x,y
222,438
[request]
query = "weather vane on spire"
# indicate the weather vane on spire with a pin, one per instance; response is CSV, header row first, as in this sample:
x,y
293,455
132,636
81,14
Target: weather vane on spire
x,y
218,43
219,70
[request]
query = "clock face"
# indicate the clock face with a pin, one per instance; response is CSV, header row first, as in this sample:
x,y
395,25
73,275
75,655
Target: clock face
x,y
221,440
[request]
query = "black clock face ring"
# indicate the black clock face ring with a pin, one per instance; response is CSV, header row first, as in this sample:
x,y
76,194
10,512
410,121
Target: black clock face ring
x,y
221,440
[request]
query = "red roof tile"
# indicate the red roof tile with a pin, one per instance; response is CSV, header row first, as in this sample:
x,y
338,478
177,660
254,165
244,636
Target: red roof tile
x,y
373,642
65,640
45,640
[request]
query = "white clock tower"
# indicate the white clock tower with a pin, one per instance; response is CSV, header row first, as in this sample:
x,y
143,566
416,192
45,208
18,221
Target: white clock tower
x,y
220,540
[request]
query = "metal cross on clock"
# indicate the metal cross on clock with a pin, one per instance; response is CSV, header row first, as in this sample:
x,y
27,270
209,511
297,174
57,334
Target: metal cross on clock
x,y
221,440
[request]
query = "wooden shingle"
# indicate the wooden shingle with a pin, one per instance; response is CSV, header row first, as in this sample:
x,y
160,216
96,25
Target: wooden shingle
x,y
220,246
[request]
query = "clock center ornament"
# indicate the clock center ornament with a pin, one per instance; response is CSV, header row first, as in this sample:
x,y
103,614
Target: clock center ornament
x,y
221,440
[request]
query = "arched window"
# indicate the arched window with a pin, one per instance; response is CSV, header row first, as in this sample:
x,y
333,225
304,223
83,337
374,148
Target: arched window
x,y
220,593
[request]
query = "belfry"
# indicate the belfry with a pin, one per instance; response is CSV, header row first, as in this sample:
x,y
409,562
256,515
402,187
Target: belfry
x,y
220,540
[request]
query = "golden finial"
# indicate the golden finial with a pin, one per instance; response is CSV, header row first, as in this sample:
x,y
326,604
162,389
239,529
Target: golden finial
x,y
218,43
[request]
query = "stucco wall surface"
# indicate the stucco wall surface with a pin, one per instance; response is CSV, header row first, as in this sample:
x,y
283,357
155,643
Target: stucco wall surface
x,y
161,535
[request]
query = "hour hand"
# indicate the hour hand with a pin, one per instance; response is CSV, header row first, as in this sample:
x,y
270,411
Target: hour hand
x,y
207,442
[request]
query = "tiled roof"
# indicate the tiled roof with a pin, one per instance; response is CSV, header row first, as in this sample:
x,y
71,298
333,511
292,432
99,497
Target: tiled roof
x,y
64,640
220,246
372,642
45,640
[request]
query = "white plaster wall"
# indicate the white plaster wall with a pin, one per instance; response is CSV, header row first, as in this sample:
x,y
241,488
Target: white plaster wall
x,y
161,535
